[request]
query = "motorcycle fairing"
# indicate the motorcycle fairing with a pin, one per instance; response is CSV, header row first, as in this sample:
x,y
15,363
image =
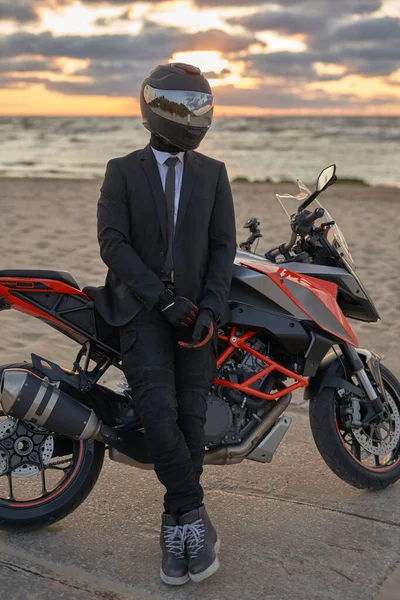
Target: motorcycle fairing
x,y
290,333
352,297
14,291
314,297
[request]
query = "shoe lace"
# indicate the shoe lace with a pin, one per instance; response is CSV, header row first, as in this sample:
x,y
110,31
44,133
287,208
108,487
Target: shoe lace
x,y
174,540
193,533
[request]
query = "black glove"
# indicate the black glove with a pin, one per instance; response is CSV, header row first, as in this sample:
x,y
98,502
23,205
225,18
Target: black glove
x,y
203,330
178,310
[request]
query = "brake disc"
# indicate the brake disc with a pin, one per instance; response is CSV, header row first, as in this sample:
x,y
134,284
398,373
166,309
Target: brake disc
x,y
8,429
383,437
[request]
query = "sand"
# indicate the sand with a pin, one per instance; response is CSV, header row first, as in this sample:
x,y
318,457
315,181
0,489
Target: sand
x,y
51,224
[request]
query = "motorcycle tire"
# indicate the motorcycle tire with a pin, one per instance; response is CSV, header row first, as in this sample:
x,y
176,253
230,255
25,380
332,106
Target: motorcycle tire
x,y
38,513
336,453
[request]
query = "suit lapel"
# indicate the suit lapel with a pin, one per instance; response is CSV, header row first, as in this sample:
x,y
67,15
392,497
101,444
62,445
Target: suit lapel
x,y
190,171
149,163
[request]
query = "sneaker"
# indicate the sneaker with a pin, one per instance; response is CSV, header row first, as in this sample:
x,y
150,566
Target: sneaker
x,y
202,544
174,567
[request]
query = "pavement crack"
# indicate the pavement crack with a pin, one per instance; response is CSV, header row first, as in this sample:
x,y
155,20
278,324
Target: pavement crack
x,y
70,578
351,548
251,492
341,574
106,594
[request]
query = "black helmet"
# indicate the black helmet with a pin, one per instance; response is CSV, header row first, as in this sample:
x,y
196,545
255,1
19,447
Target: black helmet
x,y
177,104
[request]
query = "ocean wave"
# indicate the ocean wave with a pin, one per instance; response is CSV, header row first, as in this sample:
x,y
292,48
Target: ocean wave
x,y
254,147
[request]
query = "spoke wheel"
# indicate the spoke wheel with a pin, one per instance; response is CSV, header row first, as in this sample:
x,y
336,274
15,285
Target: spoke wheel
x,y
31,468
43,477
377,445
367,457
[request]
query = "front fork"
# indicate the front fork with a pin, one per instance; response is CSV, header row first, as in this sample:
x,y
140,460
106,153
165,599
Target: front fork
x,y
358,370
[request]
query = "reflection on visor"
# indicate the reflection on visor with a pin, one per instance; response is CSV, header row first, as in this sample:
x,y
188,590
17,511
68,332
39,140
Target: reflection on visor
x,y
188,108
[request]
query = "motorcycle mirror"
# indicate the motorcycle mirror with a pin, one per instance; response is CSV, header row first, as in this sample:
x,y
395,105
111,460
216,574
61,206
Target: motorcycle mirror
x,y
326,178
253,222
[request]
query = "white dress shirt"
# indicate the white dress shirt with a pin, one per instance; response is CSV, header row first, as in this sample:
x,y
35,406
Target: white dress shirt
x,y
161,157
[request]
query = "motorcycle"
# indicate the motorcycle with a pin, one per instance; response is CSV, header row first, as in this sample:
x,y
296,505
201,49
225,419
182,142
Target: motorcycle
x,y
286,329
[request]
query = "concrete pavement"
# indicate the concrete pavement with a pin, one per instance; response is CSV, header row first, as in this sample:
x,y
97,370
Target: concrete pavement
x,y
290,530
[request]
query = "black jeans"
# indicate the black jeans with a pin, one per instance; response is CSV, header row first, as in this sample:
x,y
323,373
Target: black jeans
x,y
170,385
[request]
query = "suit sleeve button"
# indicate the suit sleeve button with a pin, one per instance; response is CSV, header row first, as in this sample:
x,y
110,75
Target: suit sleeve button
x,y
162,253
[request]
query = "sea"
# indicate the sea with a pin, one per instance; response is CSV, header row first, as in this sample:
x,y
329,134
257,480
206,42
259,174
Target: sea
x,y
256,148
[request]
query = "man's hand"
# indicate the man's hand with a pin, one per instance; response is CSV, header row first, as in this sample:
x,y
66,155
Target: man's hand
x,y
203,325
178,310
203,330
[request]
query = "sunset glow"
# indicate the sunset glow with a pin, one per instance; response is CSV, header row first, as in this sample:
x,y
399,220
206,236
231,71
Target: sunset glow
x,y
82,57
206,60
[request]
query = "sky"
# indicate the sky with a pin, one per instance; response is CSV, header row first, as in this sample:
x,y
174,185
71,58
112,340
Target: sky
x,y
280,57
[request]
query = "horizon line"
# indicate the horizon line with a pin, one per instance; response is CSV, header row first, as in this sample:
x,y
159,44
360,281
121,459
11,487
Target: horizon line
x,y
316,115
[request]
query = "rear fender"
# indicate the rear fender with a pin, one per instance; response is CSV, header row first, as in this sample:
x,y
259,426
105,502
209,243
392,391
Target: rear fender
x,y
331,374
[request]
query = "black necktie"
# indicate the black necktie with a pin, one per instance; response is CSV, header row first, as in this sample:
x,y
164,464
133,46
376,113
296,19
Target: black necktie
x,y
170,198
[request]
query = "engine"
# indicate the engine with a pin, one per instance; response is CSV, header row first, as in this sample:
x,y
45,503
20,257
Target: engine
x,y
231,414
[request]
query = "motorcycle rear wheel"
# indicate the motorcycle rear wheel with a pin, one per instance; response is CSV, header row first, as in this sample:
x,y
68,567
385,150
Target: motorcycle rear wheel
x,y
50,505
340,448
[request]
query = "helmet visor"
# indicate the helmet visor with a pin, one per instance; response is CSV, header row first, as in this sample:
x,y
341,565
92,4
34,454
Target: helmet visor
x,y
181,106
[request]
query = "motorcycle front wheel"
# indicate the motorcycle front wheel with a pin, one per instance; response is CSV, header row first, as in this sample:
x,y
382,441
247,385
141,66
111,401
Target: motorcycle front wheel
x,y
43,477
366,457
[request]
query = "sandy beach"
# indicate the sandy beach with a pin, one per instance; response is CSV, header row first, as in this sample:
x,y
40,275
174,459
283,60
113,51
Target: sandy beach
x,y
51,224
315,537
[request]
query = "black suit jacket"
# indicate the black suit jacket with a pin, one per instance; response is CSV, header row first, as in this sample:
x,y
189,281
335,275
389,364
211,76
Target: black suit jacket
x,y
132,234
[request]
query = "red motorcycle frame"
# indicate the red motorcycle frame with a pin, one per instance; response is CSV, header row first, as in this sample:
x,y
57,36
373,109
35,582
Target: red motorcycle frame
x,y
14,290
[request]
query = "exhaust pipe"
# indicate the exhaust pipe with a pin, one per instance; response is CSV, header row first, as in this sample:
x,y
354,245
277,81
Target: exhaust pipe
x,y
26,396
230,455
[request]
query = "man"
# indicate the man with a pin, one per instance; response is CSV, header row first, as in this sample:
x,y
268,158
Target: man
x,y
166,230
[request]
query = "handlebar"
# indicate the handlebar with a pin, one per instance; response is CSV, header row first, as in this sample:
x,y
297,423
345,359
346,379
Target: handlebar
x,y
303,221
312,217
301,225
282,249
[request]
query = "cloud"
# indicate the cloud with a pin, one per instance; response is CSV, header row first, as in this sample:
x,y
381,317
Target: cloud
x,y
303,16
215,3
214,75
285,97
200,3
366,45
12,83
215,39
366,30
118,62
368,59
340,33
26,66
372,59
22,12
354,6
106,21
153,42
294,65
116,87
285,22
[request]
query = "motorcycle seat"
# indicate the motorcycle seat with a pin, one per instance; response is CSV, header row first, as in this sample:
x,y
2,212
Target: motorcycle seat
x,y
90,291
63,276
